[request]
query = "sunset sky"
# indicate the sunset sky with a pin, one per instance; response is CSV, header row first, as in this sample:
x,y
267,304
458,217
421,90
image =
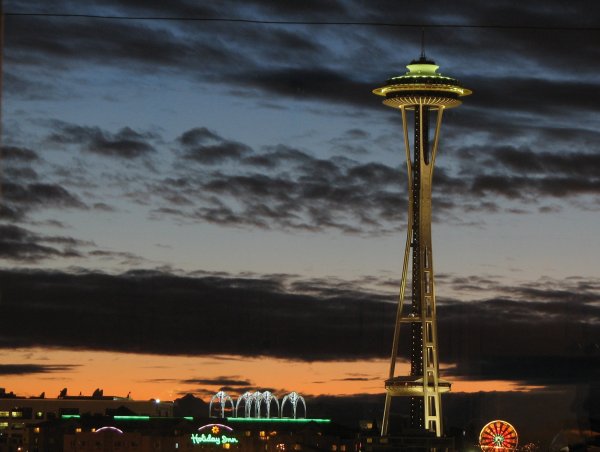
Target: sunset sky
x,y
189,205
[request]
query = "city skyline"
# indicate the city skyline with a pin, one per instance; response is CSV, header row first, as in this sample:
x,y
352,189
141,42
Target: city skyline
x,y
230,199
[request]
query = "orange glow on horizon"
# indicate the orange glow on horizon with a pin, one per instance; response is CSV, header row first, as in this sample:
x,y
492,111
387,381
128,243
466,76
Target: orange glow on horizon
x,y
170,377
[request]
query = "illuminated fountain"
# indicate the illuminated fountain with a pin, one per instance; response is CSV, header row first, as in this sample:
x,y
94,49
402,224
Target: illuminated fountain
x,y
252,403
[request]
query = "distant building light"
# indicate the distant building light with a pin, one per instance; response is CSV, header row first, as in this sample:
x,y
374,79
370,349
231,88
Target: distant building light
x,y
263,420
131,418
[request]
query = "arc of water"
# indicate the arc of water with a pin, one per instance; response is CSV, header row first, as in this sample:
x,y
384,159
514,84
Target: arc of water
x,y
257,398
223,398
269,397
245,397
294,398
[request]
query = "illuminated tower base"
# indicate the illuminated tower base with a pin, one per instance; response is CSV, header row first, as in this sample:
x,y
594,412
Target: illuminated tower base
x,y
423,95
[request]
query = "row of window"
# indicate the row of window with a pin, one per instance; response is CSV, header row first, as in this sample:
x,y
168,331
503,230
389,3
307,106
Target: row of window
x,y
22,413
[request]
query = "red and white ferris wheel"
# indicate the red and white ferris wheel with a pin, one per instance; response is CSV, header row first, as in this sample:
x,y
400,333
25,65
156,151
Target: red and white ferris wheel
x,y
498,436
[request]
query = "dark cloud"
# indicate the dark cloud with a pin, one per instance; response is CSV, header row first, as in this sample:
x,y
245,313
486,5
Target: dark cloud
x,y
27,369
520,173
535,370
524,160
23,174
30,88
268,57
103,207
120,257
40,194
131,302
126,143
321,84
317,64
281,187
488,338
205,146
18,153
21,245
312,8
198,136
84,40
356,134
509,330
21,199
287,188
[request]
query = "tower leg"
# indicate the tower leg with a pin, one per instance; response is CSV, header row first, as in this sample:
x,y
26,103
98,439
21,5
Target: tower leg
x,y
386,415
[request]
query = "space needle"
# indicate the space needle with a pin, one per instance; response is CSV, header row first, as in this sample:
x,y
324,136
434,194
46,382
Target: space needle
x,y
422,95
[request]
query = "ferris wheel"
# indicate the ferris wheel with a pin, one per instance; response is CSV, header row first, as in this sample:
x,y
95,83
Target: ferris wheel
x,y
498,436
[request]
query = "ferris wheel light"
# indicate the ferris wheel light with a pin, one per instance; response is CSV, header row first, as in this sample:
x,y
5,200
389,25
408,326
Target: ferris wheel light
x,y
498,436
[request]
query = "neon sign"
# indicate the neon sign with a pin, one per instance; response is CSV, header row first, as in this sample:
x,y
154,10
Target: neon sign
x,y
110,429
214,435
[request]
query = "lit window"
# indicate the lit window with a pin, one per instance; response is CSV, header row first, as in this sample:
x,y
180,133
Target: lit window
x,y
4,414
36,430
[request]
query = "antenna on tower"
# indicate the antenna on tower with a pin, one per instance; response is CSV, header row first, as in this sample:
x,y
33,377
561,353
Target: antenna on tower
x,y
423,43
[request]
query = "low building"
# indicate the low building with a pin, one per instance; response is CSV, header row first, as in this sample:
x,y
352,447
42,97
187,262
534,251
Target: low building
x,y
20,415
87,433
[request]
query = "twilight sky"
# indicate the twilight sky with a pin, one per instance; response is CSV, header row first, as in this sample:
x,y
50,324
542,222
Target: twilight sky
x,y
190,205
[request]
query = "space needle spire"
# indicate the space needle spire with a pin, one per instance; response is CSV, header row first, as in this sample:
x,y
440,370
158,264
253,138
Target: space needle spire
x,y
422,95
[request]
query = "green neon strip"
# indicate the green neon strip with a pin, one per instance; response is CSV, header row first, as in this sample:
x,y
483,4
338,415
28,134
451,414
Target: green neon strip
x,y
70,416
277,420
131,418
189,418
